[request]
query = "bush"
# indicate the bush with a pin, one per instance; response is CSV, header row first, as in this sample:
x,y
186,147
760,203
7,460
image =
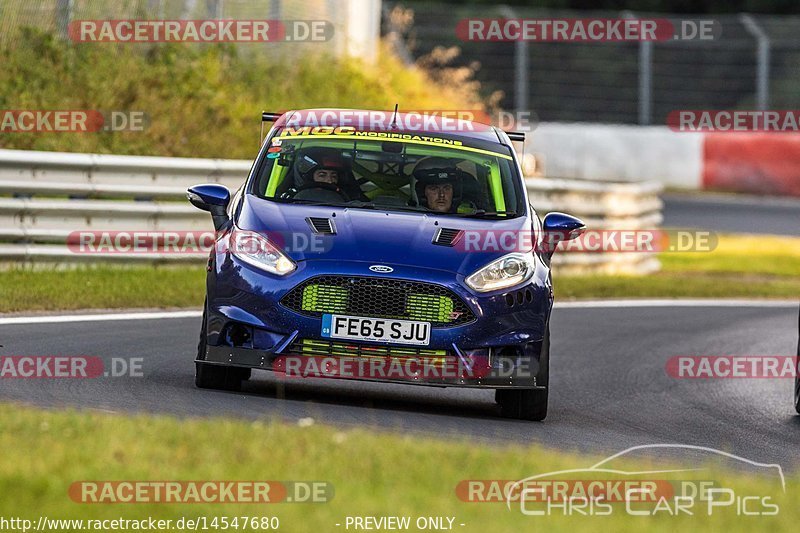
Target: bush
x,y
201,100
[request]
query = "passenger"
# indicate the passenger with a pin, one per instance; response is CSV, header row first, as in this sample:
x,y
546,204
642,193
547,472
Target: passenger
x,y
438,184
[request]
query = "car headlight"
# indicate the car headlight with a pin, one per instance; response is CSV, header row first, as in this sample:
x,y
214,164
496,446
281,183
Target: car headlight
x,y
509,270
257,251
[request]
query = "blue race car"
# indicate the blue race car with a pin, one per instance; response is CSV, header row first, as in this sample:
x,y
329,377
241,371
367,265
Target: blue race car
x,y
382,254
797,371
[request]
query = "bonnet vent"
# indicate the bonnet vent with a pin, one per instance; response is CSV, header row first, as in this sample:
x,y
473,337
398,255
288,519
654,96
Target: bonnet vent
x,y
323,226
446,236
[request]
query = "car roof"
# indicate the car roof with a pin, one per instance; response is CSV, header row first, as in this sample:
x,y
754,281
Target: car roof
x,y
337,117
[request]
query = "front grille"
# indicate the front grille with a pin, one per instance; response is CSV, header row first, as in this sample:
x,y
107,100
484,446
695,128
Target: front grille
x,y
313,347
379,297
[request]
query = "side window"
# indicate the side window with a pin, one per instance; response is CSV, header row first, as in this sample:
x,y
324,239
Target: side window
x,y
509,189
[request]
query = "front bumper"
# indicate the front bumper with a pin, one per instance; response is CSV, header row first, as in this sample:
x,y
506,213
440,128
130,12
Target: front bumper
x,y
500,348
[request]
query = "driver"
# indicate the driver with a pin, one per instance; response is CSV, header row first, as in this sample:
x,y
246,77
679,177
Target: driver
x,y
438,185
323,166
326,175
320,172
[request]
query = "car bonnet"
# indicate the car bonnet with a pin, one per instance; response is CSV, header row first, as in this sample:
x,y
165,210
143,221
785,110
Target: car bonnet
x,y
383,236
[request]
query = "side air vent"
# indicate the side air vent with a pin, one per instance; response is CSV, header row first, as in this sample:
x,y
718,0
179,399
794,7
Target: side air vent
x,y
323,226
446,236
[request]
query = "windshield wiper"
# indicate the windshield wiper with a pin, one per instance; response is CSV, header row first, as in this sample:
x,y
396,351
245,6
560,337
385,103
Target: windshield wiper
x,y
407,208
482,213
361,205
372,205
358,204
311,202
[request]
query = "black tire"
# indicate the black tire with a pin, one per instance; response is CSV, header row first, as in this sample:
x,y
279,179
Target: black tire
x,y
218,377
208,376
797,372
529,404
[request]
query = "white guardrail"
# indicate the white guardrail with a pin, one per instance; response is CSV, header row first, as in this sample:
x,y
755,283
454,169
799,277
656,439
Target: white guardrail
x,y
46,196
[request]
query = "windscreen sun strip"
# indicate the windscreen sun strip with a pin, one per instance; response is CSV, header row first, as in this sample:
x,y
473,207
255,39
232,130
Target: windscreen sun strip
x,y
407,141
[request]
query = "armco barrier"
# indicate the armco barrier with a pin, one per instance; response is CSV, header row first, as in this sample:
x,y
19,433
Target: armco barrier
x,y
118,172
44,196
615,153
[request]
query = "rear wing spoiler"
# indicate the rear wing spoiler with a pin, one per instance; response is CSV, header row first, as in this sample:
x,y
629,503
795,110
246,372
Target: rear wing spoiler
x,y
267,116
517,136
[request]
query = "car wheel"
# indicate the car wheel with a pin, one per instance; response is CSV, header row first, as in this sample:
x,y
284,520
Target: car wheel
x,y
529,404
797,372
208,376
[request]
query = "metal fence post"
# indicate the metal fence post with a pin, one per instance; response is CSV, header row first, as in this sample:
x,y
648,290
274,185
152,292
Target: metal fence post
x,y
63,17
214,9
762,60
520,67
188,9
645,76
645,82
275,10
154,7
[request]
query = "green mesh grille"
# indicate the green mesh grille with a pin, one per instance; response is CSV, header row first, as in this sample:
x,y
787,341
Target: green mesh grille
x,y
344,349
378,298
324,299
429,308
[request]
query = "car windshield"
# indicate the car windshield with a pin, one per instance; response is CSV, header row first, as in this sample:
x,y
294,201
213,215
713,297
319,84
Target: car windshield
x,y
410,172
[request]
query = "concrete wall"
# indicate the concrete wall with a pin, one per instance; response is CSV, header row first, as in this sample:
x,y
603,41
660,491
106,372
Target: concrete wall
x,y
618,153
761,163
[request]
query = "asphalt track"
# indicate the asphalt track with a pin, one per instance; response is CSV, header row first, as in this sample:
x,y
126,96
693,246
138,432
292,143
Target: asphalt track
x,y
732,213
609,388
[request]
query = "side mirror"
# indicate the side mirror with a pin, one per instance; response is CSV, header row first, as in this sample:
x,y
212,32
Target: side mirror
x,y
560,227
212,198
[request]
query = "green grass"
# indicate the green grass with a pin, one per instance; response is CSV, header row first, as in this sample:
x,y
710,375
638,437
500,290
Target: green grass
x,y
675,285
762,255
101,287
372,473
741,266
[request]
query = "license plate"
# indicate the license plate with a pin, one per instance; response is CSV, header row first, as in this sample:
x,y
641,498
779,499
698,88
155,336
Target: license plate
x,y
376,329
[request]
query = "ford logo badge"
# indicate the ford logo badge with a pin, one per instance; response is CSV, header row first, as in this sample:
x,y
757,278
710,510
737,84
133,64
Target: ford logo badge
x,y
382,269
